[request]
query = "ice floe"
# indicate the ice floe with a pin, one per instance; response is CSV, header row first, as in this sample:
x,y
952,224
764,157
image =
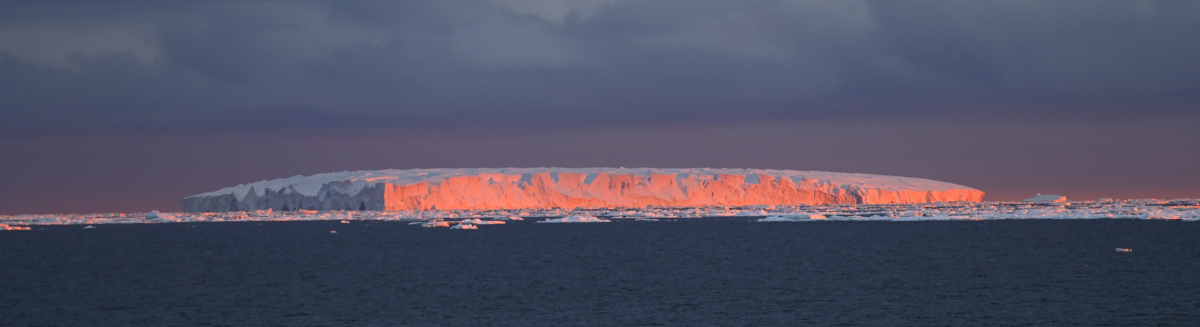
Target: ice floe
x,y
1175,209
8,227
1047,198
792,217
477,221
436,223
575,219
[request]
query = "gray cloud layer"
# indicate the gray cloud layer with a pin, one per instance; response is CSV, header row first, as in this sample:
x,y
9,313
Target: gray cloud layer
x,y
205,65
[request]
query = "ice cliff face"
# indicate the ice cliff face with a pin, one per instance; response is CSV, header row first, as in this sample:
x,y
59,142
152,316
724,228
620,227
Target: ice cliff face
x,y
516,188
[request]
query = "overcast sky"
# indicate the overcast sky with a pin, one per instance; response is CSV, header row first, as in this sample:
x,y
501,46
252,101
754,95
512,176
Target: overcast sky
x,y
130,105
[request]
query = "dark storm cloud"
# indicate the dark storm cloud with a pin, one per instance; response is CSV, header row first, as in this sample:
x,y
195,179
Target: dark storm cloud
x,y
151,65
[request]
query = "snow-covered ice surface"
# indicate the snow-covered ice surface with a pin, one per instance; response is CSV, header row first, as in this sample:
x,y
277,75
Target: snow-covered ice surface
x,y
1182,209
576,219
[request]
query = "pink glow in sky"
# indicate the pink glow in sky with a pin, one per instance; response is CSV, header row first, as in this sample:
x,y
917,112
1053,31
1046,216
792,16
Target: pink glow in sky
x,y
129,105
1008,161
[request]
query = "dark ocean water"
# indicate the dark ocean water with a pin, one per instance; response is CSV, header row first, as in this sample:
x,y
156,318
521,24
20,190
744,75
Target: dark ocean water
x,y
720,272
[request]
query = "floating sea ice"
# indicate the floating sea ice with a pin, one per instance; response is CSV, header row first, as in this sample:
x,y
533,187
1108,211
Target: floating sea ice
x,y
1124,250
1187,210
477,221
575,219
345,221
464,226
154,215
792,217
759,212
436,223
1046,198
89,227
7,227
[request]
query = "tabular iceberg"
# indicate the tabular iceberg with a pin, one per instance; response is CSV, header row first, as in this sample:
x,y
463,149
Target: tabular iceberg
x,y
516,188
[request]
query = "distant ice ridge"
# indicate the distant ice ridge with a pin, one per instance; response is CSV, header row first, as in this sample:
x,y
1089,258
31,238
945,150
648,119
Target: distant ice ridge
x,y
1046,198
1177,209
539,188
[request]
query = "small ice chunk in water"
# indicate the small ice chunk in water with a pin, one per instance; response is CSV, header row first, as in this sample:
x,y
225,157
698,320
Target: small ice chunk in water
x,y
481,222
436,223
792,217
154,215
7,227
1124,250
575,219
464,226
